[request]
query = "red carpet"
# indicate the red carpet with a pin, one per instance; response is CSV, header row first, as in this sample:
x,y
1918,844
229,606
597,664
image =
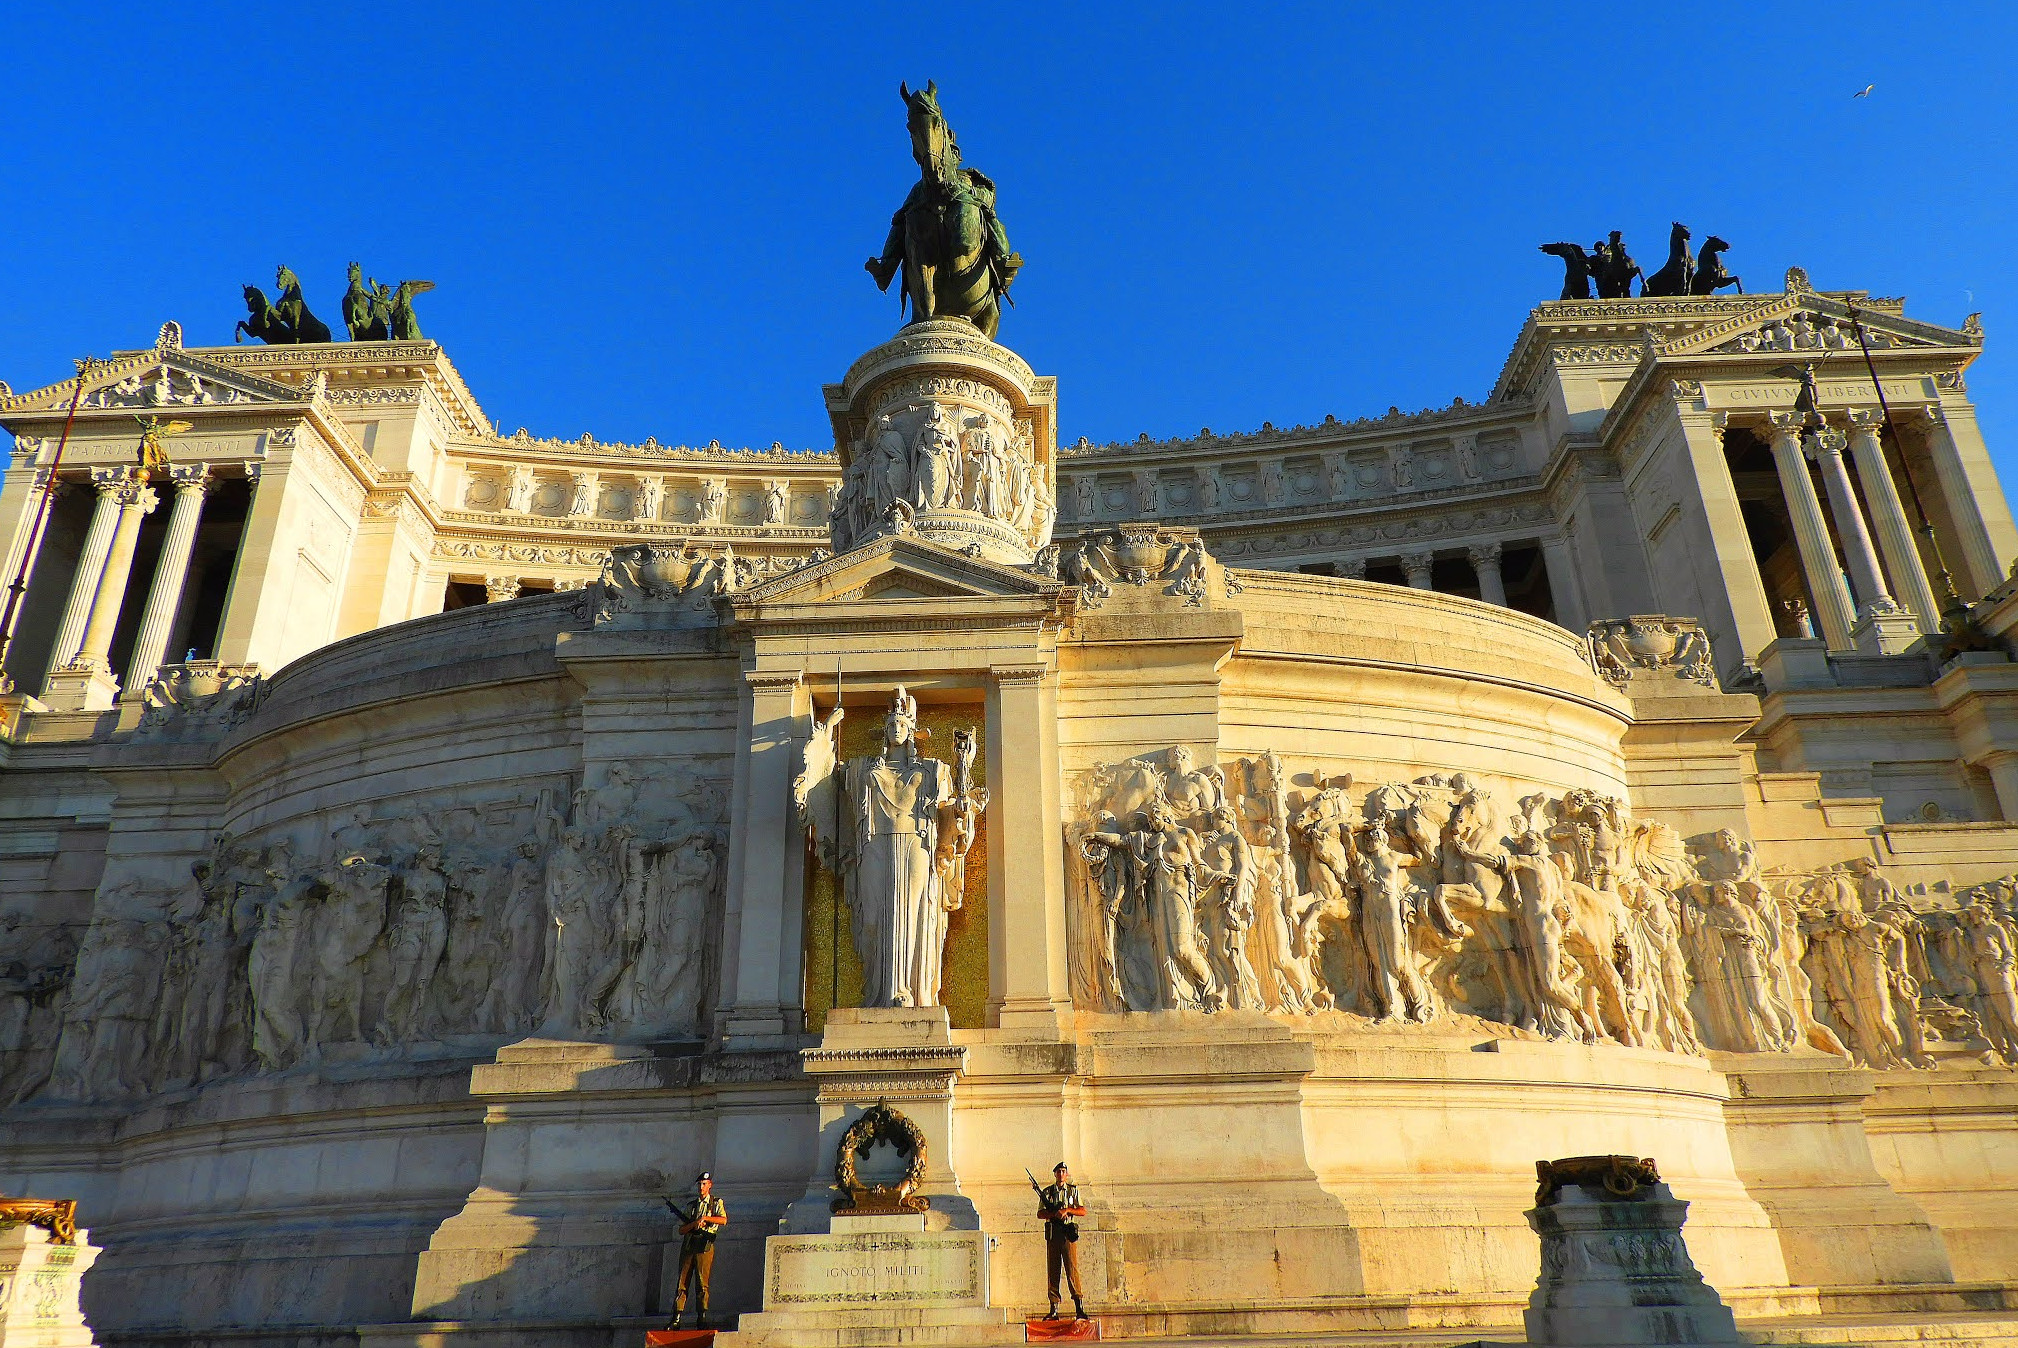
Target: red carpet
x,y
1061,1331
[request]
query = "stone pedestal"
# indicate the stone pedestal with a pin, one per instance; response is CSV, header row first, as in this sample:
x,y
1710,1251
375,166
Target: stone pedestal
x,y
1885,632
81,686
881,1277
1615,1271
39,1282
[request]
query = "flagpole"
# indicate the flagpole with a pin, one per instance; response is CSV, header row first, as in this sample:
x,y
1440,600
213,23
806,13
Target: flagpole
x,y
19,585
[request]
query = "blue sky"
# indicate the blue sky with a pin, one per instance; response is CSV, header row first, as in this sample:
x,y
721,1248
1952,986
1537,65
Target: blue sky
x,y
651,220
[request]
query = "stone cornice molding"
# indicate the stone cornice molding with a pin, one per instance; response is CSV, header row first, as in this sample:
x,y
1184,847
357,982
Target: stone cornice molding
x,y
376,363
698,461
1332,435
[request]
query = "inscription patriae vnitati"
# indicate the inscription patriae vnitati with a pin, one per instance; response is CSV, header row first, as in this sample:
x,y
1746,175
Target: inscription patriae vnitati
x,y
940,1268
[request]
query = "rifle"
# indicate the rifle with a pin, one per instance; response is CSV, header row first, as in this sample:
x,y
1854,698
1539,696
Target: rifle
x,y
685,1218
1038,1187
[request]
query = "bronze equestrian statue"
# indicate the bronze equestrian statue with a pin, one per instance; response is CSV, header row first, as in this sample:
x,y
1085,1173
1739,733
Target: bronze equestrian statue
x,y
946,238
293,309
1710,274
1614,269
361,312
1577,266
1680,271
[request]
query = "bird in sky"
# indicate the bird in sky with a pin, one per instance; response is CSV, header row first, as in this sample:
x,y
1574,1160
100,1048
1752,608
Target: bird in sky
x,y
1864,92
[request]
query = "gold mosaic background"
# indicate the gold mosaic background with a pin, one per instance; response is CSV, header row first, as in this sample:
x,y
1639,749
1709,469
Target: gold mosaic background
x,y
965,985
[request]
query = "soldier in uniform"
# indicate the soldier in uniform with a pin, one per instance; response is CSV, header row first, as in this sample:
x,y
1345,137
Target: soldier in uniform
x,y
698,1230
1060,1205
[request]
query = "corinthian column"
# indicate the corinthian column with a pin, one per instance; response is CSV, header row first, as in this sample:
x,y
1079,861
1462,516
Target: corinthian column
x,y
1485,558
192,484
1811,533
1416,566
90,565
1863,558
1888,517
136,501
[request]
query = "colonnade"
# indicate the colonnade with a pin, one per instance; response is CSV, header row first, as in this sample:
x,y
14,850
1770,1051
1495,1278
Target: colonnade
x,y
1886,577
1485,560
79,674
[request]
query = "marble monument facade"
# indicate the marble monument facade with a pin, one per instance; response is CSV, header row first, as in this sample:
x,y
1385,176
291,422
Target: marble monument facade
x,y
1351,814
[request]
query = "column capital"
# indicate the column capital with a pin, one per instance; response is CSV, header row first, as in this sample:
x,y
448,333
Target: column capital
x,y
191,479
1933,414
1017,675
1352,568
1483,554
1786,423
500,587
1869,419
1830,441
109,480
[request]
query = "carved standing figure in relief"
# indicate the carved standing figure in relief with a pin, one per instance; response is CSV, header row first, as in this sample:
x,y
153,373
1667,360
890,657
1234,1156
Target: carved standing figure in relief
x,y
1286,926
352,916
418,935
777,503
102,1053
1991,954
891,807
1386,914
573,939
1169,863
511,1004
1231,880
987,472
708,504
1846,956
274,968
935,462
1193,793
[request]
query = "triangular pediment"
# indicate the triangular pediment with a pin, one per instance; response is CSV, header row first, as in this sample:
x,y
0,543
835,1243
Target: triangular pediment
x,y
897,571
1807,320
150,382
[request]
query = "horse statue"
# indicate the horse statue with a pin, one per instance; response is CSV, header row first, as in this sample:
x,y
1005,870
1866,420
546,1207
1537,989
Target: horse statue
x,y
1614,269
1674,278
360,311
946,238
264,322
401,323
293,309
1710,274
1577,266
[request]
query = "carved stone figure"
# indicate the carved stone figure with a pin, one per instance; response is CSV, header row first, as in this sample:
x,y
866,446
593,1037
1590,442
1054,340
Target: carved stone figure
x,y
1230,878
416,939
102,1053
1168,869
713,496
1991,953
519,489
777,503
945,238
935,463
1576,269
349,923
1385,916
651,498
275,969
574,941
885,847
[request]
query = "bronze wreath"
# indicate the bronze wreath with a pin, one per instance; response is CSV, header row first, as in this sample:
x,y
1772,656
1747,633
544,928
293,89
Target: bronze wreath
x,y
880,1123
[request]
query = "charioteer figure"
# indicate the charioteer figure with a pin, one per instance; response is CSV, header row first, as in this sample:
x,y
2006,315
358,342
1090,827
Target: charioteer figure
x,y
1059,1206
698,1230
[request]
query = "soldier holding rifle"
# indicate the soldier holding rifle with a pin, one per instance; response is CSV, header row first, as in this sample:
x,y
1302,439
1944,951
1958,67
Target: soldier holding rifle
x,y
698,1230
1058,1204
